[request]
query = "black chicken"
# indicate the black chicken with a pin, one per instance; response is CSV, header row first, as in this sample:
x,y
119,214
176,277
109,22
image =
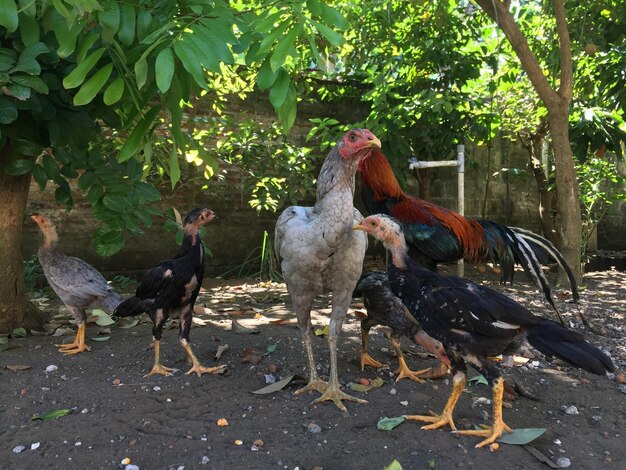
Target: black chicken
x,y
171,288
384,308
78,284
474,322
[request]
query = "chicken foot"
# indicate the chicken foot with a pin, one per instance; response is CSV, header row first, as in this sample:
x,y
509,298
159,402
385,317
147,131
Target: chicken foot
x,y
403,371
78,345
315,383
159,368
445,418
498,426
366,359
197,367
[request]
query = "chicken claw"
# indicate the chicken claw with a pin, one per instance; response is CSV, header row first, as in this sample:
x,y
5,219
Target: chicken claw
x,y
492,433
315,384
403,372
438,421
336,395
161,370
200,369
367,360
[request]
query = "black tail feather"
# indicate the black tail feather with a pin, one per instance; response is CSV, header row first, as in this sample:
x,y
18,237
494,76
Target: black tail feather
x,y
552,339
131,308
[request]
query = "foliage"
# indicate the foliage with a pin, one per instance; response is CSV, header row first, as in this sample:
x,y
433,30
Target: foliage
x,y
72,71
32,272
601,186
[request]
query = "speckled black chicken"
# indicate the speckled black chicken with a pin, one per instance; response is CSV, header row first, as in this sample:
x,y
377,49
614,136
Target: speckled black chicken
x,y
385,309
79,285
171,288
473,323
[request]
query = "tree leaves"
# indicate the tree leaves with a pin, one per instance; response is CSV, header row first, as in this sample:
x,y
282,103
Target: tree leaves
x,y
8,15
19,167
77,76
164,69
52,414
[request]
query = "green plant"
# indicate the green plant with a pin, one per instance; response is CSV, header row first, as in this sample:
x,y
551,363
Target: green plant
x,y
32,272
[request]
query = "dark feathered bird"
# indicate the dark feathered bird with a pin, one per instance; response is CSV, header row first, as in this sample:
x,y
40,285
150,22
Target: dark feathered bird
x,y
474,322
78,284
171,288
435,234
384,308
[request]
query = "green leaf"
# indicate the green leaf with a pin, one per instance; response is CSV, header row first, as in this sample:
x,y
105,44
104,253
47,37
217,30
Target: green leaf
x,y
141,72
8,111
29,29
333,37
101,338
67,35
273,34
289,109
266,76
63,195
19,167
314,7
52,414
86,180
387,424
27,60
134,141
270,349
174,167
332,17
77,76
279,89
19,333
110,20
190,62
95,193
521,437
8,15
126,32
19,92
40,176
114,203
114,92
85,45
214,42
91,87
283,47
62,9
105,320
478,380
357,387
164,69
28,7
31,81
395,465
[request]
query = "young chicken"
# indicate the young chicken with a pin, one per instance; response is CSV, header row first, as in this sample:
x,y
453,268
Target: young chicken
x,y
171,288
320,252
79,285
474,323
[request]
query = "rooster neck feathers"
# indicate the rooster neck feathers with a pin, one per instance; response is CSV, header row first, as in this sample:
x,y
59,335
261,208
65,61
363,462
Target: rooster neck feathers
x,y
377,175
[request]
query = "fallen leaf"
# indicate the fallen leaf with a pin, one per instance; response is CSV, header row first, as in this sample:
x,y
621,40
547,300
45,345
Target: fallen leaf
x,y
63,331
251,358
478,379
4,340
357,387
19,333
220,351
322,331
17,367
101,338
99,312
38,333
541,457
104,331
521,437
270,349
105,320
395,465
52,414
280,321
243,330
360,314
125,323
387,424
237,313
276,386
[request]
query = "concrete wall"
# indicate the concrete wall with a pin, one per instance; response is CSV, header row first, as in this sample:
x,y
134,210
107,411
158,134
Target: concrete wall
x,y
238,230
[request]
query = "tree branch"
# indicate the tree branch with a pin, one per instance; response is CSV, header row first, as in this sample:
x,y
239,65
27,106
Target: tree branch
x,y
498,10
565,52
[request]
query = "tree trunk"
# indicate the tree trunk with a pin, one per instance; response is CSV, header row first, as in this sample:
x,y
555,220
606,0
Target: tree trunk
x,y
567,191
15,309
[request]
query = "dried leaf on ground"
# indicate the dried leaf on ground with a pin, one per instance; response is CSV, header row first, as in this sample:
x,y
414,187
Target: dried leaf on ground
x,y
279,385
243,330
101,338
322,331
387,424
17,367
63,331
251,355
220,351
105,320
358,387
478,380
52,414
395,465
126,323
521,437
19,333
280,321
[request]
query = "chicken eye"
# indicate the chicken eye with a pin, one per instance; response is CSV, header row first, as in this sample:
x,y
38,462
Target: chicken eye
x,y
352,137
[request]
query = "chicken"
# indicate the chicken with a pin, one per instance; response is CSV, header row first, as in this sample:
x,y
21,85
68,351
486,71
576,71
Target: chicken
x,y
319,252
474,322
171,288
435,234
79,285
384,308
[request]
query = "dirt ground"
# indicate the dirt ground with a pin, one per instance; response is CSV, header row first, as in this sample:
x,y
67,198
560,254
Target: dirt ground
x,y
171,422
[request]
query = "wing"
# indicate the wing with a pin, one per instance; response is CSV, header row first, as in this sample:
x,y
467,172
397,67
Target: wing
x,y
155,281
76,278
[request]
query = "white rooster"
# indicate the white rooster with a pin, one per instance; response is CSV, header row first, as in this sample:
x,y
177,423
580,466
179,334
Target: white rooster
x,y
320,252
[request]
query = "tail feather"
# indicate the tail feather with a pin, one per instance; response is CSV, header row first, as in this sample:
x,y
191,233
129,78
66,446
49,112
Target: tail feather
x,y
111,301
552,339
548,247
131,307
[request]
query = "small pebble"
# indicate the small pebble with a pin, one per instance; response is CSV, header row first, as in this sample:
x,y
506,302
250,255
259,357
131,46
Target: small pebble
x,y
393,391
254,448
126,461
314,428
131,467
205,460
557,442
571,410
563,462
51,368
238,442
269,378
117,381
596,417
18,449
76,444
156,388
35,446
84,411
404,403
259,443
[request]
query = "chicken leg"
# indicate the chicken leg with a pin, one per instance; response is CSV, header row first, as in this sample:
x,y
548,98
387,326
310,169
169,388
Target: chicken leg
x,y
403,371
197,367
159,368
366,359
458,384
498,426
78,345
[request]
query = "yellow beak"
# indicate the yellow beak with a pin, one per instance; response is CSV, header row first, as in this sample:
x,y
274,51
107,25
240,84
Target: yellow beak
x,y
375,142
359,227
